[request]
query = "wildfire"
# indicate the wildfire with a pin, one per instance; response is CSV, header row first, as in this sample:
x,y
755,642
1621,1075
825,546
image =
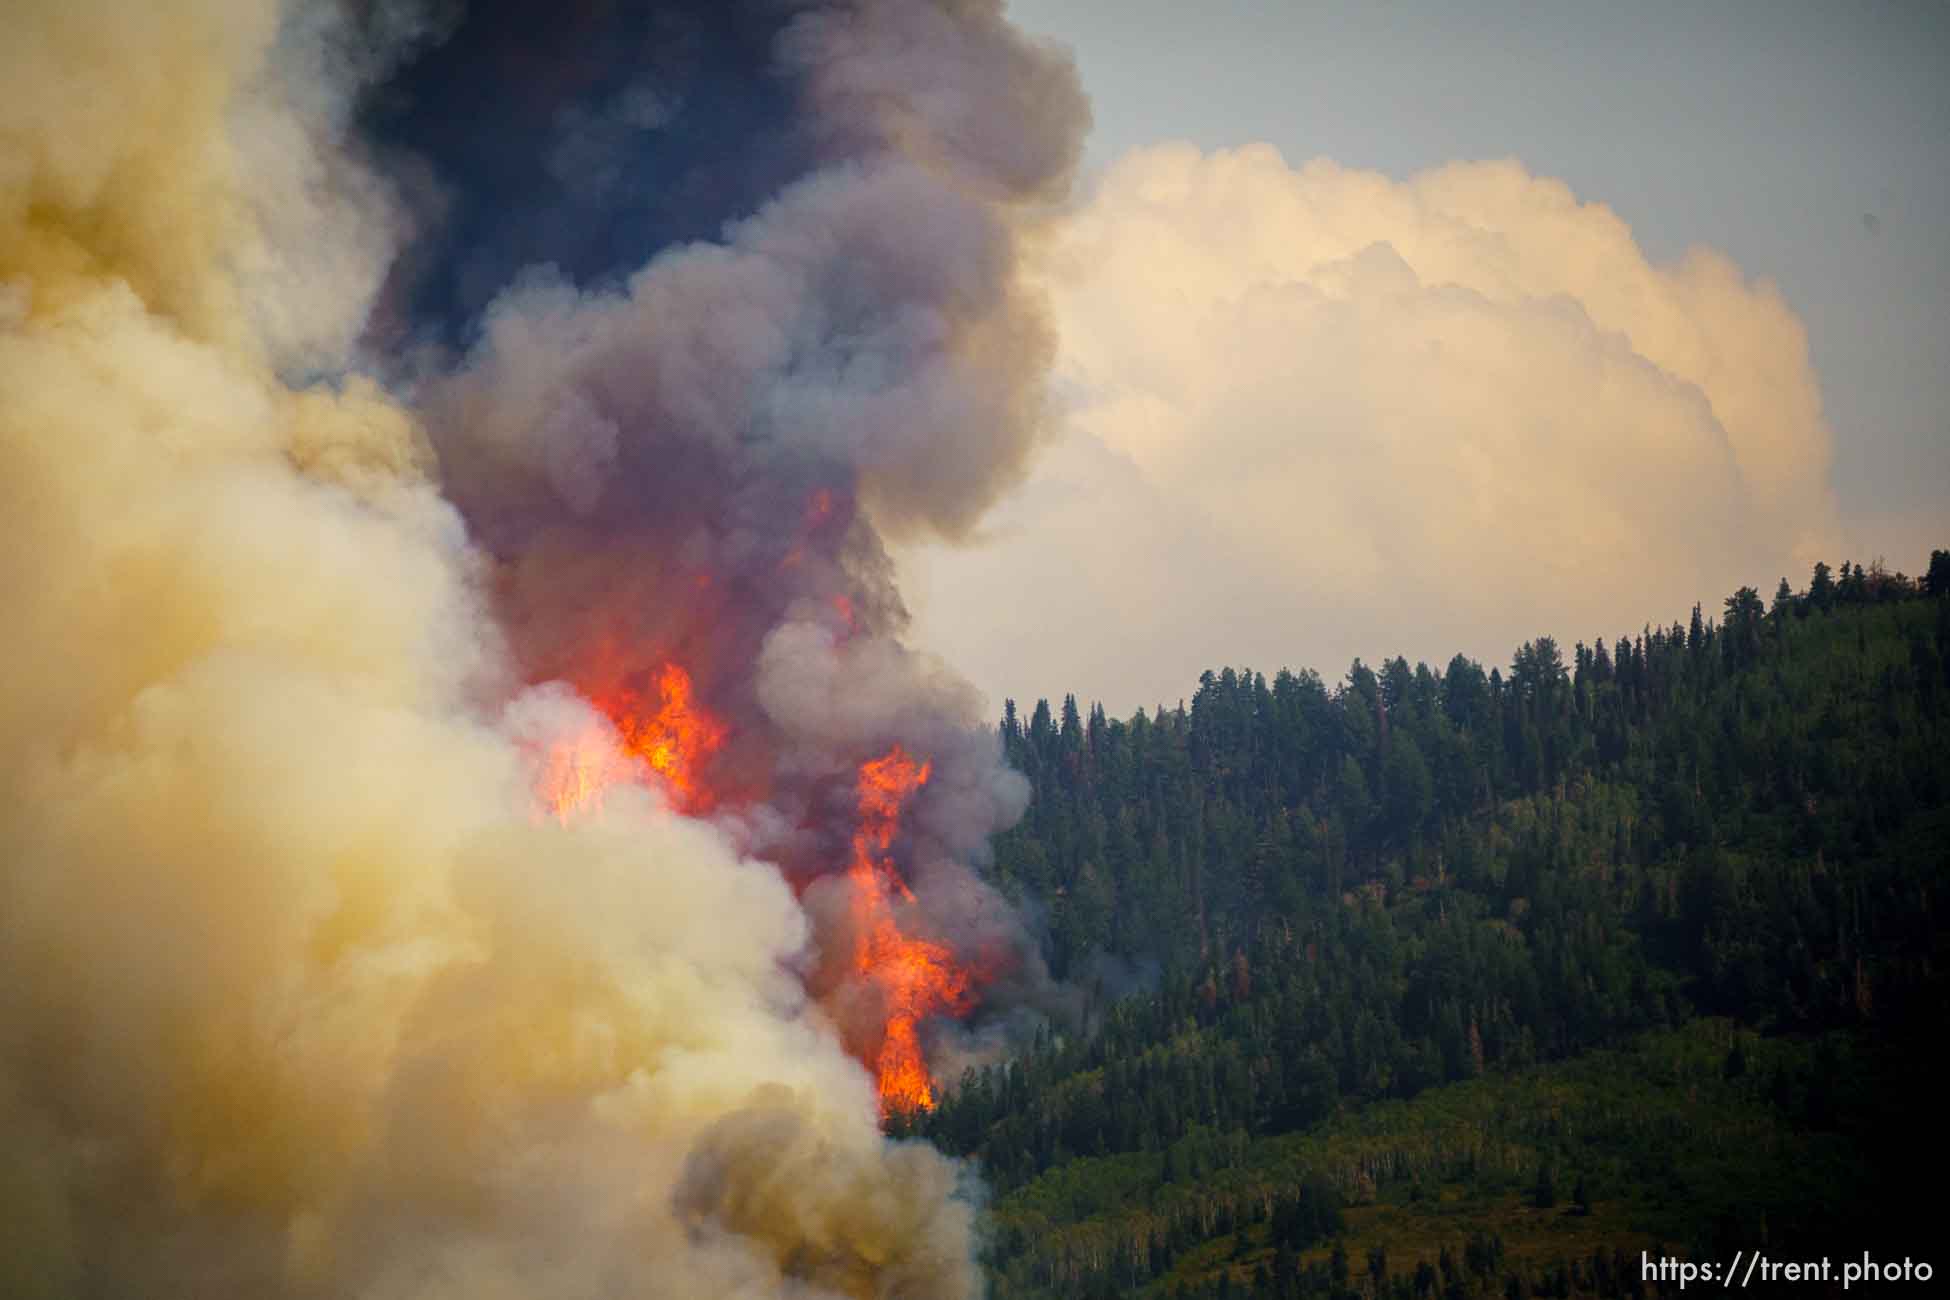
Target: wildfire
x,y
674,741
913,978
917,977
576,772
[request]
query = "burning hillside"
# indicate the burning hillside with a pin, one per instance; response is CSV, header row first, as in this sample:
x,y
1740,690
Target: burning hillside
x,y
907,978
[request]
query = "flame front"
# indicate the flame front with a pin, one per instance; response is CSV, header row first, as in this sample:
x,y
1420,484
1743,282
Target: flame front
x,y
674,741
917,977
912,978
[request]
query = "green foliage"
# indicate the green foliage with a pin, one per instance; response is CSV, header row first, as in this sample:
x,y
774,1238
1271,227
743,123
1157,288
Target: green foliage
x,y
1417,885
1667,1149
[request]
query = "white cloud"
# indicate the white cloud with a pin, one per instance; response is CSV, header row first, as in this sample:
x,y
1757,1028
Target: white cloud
x,y
1310,413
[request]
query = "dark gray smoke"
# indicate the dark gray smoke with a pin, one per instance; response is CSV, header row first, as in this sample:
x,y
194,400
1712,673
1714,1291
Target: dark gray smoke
x,y
586,135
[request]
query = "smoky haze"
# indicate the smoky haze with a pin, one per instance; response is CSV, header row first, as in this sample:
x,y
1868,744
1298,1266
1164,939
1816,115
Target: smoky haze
x,y
343,454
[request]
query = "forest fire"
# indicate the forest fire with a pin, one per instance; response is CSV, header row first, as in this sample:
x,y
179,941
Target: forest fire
x,y
913,978
522,408
917,977
674,741
576,772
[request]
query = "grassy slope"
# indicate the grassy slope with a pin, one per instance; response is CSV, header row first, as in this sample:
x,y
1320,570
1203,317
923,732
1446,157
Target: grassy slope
x,y
1670,1149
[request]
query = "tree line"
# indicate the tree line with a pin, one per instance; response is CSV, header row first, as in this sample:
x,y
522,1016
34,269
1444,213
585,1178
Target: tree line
x,y
1354,892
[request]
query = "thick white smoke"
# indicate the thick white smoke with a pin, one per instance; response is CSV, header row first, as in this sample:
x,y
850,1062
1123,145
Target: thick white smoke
x,y
298,996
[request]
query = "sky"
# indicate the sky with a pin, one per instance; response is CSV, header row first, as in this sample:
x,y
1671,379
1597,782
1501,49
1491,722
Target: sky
x,y
1780,174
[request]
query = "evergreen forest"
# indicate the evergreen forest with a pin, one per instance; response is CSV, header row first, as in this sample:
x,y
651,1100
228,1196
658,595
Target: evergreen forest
x,y
1459,981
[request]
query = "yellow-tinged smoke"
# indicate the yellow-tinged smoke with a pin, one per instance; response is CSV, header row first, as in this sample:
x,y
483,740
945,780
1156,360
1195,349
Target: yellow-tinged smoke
x,y
296,995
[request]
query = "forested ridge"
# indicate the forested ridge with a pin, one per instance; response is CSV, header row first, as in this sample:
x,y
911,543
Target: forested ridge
x,y
1629,944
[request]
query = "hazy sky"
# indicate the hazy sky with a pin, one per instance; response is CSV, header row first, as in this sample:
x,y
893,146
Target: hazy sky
x,y
1804,142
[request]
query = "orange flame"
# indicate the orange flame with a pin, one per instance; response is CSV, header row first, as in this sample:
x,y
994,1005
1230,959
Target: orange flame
x,y
577,771
674,741
917,977
914,977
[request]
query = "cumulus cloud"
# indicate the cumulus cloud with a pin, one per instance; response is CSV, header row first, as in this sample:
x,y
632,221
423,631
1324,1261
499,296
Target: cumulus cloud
x,y
1315,412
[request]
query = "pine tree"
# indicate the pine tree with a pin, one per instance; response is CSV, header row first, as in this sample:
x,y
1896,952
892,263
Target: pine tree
x,y
1936,582
1821,588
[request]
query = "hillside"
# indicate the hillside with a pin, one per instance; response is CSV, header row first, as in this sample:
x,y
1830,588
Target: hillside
x,y
1504,975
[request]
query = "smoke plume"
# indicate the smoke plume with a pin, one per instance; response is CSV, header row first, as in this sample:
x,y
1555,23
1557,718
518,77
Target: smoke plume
x,y
344,486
